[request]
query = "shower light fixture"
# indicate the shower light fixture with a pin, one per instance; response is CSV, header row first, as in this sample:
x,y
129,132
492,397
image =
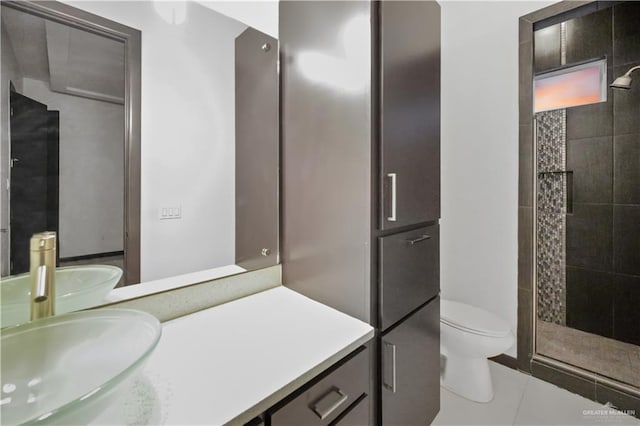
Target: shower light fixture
x,y
624,82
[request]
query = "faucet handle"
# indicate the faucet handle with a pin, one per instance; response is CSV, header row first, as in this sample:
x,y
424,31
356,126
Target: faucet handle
x,y
43,268
43,241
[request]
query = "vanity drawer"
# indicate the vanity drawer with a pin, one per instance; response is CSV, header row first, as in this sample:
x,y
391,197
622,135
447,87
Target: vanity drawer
x,y
360,415
326,399
409,272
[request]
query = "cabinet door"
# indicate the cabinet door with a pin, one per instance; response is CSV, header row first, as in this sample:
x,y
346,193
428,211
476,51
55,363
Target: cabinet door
x,y
411,369
410,107
409,272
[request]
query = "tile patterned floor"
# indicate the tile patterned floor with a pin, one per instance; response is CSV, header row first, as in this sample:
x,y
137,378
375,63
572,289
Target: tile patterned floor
x,y
608,357
524,400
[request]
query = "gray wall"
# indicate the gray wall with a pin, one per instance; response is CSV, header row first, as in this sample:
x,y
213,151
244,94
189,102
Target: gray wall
x,y
91,171
9,72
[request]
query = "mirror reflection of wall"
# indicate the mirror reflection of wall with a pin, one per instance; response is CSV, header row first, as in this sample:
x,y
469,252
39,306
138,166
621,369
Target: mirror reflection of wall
x,y
190,162
65,139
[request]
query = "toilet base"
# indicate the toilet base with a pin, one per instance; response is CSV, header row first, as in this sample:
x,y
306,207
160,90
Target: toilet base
x,y
468,377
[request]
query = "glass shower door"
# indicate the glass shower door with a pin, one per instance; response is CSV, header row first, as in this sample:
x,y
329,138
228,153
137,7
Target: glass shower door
x,y
587,224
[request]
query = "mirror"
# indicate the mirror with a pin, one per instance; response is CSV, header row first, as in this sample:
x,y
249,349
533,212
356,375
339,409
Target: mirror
x,y
144,133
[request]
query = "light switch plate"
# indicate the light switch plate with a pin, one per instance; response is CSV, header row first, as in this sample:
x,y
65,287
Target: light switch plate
x,y
173,212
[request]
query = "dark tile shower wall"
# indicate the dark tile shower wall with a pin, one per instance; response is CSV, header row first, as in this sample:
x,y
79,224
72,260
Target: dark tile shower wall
x,y
546,52
603,151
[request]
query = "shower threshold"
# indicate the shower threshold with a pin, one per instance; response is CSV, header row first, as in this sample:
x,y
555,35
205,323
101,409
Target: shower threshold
x,y
601,355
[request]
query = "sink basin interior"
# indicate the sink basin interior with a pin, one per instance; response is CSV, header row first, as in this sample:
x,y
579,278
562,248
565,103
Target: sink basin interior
x,y
77,287
62,368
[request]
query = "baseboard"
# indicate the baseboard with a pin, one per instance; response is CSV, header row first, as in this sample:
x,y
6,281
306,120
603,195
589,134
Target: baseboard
x,y
92,256
588,384
506,360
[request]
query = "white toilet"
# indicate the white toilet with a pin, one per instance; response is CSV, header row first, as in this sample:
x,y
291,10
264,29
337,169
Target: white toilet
x,y
469,335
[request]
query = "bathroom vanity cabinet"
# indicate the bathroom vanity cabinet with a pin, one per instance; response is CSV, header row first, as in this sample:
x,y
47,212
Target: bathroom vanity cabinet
x,y
340,395
337,396
274,356
361,183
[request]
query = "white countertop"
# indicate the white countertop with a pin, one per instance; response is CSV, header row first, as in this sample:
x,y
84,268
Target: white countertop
x,y
231,362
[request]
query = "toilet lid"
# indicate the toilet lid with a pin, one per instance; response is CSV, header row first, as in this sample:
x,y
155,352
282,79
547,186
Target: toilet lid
x,y
472,319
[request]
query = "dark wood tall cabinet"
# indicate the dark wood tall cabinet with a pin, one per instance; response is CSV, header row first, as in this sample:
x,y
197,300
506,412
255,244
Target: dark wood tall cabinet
x,y
409,109
360,86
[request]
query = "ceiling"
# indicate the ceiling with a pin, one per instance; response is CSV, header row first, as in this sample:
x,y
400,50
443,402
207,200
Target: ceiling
x,y
72,61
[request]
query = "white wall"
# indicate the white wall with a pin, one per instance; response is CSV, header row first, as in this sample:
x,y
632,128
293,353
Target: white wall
x,y
261,15
91,201
10,72
187,134
479,232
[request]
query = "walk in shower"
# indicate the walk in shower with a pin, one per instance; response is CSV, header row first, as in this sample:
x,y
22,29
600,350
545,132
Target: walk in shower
x,y
586,199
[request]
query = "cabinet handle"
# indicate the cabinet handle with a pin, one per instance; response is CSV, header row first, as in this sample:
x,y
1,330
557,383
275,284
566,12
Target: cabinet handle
x,y
389,347
328,403
419,239
393,177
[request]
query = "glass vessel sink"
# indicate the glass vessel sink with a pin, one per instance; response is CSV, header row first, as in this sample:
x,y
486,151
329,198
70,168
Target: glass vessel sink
x,y
67,369
77,287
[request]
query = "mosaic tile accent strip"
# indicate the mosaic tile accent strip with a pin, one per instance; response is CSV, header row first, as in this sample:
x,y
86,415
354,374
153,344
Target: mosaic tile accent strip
x,y
551,219
551,140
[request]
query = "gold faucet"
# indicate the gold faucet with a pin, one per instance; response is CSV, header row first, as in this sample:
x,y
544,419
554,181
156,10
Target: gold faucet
x,y
43,268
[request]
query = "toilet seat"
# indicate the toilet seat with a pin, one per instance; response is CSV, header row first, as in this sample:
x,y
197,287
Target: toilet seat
x,y
472,319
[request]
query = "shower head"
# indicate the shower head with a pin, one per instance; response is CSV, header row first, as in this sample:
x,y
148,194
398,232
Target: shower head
x,y
624,81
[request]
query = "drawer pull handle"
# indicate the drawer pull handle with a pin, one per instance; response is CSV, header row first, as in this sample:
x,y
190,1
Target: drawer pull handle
x,y
389,347
394,206
419,239
329,403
